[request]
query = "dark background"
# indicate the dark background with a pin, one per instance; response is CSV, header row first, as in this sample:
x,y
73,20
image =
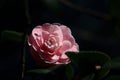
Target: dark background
x,y
91,28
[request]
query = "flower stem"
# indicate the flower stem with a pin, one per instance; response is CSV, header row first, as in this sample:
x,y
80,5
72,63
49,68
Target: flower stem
x,y
26,5
22,66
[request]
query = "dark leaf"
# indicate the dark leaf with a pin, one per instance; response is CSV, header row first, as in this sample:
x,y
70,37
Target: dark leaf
x,y
53,5
11,36
117,30
90,62
69,72
113,64
89,77
42,71
114,77
39,71
115,8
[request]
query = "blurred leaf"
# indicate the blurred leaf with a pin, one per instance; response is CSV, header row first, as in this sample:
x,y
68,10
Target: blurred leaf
x,y
117,59
69,72
11,36
73,56
85,55
114,64
91,62
42,71
115,8
117,30
89,77
39,71
53,5
114,77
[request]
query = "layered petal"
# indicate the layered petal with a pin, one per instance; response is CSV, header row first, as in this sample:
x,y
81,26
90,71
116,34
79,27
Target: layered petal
x,y
50,42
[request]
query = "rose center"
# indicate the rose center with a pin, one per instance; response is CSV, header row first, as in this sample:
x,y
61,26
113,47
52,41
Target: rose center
x,y
51,43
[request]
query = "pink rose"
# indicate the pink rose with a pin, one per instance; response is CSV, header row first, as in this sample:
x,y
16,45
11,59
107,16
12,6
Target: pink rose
x,y
49,43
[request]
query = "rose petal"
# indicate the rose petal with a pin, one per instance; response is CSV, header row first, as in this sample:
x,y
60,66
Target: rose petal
x,y
74,48
45,35
67,34
52,60
63,61
50,27
37,31
46,27
38,59
32,42
58,24
44,55
66,45
64,56
55,57
50,42
54,29
58,32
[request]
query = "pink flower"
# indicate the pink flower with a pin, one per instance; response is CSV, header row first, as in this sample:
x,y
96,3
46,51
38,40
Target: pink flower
x,y
49,43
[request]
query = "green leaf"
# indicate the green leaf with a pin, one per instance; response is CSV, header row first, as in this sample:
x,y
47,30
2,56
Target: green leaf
x,y
85,55
39,71
117,59
117,30
113,64
91,62
42,71
11,36
89,77
114,77
73,56
69,72
53,5
115,8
